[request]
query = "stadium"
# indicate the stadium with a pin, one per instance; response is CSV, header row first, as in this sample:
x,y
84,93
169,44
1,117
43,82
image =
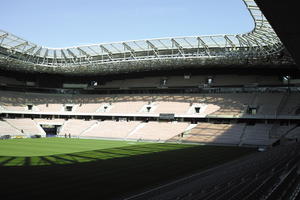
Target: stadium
x,y
198,117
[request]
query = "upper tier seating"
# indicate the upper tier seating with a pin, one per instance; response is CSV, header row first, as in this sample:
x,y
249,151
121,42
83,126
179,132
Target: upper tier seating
x,y
228,104
88,107
291,105
50,107
127,107
268,102
170,107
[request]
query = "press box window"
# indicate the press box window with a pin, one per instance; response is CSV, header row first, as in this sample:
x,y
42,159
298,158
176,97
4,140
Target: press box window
x,y
252,110
29,107
68,108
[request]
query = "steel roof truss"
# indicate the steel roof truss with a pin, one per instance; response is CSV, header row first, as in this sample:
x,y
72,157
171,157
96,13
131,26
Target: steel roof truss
x,y
203,44
153,47
132,52
83,52
19,45
108,52
179,47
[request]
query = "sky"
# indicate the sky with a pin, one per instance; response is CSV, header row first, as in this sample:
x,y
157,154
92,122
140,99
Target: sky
x,y
66,23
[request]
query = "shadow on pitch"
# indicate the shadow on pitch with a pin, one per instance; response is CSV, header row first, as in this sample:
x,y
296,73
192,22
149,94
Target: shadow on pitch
x,y
89,156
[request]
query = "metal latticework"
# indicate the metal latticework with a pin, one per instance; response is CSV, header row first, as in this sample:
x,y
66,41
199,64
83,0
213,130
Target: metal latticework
x,y
139,55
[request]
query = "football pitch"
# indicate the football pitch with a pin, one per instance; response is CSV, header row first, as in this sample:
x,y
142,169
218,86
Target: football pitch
x,y
100,168
50,151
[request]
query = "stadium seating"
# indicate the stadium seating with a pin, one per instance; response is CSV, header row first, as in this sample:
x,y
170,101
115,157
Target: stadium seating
x,y
294,133
127,107
268,103
259,134
158,131
50,107
7,129
227,104
88,108
132,130
233,134
281,130
170,107
214,133
25,126
110,129
217,105
290,105
230,104
266,175
13,107
75,127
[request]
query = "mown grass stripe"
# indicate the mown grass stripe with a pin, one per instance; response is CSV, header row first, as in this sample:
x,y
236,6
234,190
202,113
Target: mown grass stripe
x,y
50,151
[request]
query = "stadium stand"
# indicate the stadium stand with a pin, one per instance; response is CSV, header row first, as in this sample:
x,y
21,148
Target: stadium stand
x,y
87,108
269,175
268,104
127,107
214,133
279,131
157,131
170,107
25,126
233,104
259,134
13,107
143,106
50,107
291,104
294,133
110,129
7,129
230,104
75,127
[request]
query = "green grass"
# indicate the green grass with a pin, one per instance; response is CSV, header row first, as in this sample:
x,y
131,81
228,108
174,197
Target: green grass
x,y
50,151
99,169
52,146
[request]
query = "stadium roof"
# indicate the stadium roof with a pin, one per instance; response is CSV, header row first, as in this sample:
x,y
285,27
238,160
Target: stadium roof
x,y
284,18
140,55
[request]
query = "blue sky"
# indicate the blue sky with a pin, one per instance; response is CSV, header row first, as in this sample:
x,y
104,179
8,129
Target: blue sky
x,y
64,23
